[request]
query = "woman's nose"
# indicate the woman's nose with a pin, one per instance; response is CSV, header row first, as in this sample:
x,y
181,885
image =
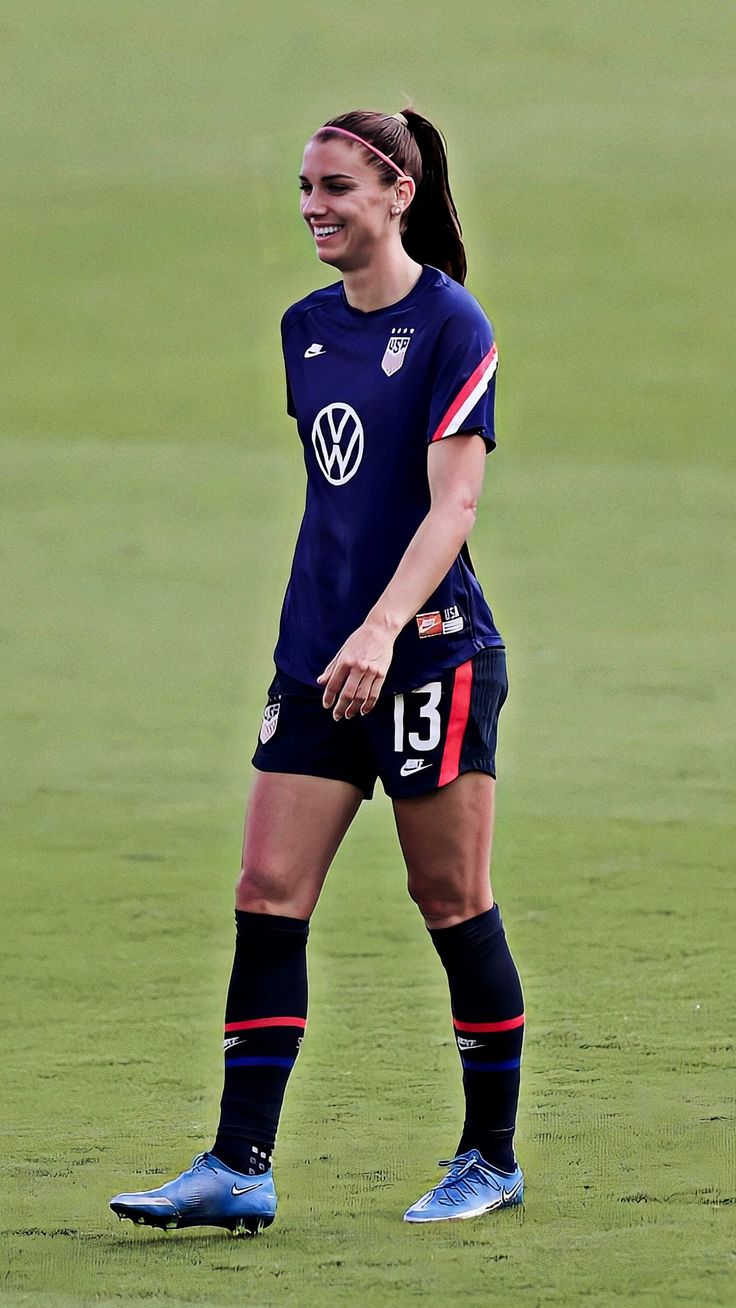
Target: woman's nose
x,y
313,204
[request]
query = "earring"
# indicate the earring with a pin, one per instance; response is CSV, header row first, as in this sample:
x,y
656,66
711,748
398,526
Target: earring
x,y
396,208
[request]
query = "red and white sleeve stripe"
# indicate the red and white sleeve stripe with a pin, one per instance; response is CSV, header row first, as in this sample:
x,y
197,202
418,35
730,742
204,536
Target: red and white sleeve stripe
x,y
467,398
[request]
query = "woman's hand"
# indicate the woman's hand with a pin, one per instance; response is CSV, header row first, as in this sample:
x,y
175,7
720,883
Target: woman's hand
x,y
353,679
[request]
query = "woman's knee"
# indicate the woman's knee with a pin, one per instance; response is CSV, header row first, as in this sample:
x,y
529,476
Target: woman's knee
x,y
261,890
264,889
443,902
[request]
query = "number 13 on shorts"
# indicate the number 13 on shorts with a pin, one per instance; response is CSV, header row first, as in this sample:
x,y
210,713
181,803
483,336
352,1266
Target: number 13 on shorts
x,y
424,738
427,703
447,726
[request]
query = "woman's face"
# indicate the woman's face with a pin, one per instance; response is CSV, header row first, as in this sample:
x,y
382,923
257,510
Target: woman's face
x,y
345,204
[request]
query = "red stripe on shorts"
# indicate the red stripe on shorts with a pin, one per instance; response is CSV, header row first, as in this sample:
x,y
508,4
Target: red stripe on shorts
x,y
256,1022
508,1025
459,713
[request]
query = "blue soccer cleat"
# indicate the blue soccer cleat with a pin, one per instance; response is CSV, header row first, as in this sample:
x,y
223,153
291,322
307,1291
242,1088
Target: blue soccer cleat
x,y
207,1194
470,1188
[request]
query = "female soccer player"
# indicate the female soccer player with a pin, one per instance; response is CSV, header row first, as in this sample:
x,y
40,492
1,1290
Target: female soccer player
x,y
388,664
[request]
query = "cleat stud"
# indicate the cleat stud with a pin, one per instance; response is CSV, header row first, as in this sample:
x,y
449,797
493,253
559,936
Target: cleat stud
x,y
248,1226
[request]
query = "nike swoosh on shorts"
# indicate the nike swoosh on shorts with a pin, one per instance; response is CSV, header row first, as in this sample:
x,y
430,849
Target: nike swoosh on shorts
x,y
411,766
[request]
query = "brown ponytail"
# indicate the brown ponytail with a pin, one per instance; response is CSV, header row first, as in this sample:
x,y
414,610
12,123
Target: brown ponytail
x,y
431,231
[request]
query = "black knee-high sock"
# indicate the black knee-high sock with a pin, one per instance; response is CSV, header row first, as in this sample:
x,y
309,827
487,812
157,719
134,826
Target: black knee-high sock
x,y
265,1019
488,1016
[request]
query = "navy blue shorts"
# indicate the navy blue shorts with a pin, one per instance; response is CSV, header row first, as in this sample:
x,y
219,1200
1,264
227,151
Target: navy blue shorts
x,y
415,741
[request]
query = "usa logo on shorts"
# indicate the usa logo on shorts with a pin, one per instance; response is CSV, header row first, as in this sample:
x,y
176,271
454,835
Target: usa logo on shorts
x,y
270,722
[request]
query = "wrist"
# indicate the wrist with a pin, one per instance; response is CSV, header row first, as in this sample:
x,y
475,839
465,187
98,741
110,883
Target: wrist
x,y
385,621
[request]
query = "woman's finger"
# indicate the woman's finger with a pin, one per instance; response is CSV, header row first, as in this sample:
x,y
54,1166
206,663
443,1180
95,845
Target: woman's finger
x,y
362,694
372,698
347,692
325,676
336,675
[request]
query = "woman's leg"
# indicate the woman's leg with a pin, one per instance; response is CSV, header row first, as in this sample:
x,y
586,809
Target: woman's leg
x,y
293,829
446,839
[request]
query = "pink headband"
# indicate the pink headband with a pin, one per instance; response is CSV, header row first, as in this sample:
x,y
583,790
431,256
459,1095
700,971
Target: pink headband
x,y
373,149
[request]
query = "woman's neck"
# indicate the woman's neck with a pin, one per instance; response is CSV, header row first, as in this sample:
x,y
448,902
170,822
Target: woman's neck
x,y
381,283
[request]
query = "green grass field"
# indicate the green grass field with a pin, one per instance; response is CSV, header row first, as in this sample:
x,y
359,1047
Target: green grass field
x,y
151,490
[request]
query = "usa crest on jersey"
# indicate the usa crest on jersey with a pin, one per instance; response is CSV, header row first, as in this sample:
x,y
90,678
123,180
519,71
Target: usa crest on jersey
x,y
398,343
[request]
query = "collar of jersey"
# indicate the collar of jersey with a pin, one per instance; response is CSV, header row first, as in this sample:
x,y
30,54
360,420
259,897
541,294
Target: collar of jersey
x,y
424,277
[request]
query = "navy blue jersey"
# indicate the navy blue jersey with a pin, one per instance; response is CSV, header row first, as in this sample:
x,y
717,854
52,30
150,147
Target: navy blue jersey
x,y
369,392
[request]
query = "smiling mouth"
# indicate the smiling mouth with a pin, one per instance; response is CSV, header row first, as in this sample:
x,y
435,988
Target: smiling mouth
x,y
324,233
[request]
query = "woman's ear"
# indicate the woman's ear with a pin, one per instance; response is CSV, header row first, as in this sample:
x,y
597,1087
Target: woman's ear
x,y
405,191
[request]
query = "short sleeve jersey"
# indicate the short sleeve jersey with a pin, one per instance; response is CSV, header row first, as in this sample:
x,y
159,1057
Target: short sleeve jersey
x,y
370,392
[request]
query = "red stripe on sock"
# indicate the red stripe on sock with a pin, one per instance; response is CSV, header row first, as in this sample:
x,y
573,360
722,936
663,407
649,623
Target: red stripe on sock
x,y
508,1025
459,711
255,1022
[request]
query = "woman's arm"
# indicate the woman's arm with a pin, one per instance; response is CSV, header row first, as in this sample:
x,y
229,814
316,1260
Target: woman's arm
x,y
354,677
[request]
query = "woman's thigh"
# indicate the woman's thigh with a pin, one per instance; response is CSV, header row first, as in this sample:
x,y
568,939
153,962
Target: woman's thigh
x,y
293,829
446,838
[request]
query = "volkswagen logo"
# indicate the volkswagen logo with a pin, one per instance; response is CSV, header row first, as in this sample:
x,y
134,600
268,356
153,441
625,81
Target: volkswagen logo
x,y
337,437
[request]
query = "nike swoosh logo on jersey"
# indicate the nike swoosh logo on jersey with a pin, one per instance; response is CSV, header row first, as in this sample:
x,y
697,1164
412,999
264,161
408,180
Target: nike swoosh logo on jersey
x,y
314,350
413,765
245,1189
